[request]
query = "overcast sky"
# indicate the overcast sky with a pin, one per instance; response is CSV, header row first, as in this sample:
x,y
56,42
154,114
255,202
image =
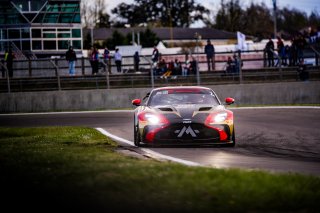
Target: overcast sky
x,y
303,5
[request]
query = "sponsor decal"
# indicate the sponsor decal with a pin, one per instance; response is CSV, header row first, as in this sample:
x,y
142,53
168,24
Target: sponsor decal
x,y
187,130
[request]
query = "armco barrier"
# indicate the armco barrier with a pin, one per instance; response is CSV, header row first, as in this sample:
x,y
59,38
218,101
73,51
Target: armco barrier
x,y
72,100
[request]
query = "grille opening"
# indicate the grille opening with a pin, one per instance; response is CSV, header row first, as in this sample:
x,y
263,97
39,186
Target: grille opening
x,y
165,109
205,108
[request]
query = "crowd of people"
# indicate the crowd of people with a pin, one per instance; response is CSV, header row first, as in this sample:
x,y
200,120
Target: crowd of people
x,y
160,66
233,64
172,68
279,54
175,68
276,54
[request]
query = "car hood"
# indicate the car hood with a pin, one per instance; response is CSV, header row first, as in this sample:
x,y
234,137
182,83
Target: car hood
x,y
187,110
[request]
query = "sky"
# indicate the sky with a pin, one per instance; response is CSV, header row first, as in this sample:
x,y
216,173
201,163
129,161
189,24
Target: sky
x,y
303,5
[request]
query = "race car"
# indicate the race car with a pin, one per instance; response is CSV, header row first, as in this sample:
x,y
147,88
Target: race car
x,y
186,115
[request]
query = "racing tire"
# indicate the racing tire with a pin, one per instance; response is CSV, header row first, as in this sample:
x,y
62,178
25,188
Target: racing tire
x,y
233,140
137,137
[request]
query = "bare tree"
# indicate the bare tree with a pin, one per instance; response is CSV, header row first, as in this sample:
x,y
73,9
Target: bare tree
x,y
94,13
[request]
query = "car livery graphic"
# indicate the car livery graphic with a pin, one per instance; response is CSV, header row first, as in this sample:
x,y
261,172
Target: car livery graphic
x,y
189,115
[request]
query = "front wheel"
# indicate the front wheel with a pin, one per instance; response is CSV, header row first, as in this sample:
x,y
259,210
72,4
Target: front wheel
x,y
137,138
233,140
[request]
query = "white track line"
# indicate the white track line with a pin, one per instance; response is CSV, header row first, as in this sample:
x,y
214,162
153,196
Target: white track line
x,y
148,151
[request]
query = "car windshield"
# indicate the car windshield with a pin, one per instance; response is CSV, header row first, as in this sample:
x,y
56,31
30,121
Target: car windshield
x,y
182,96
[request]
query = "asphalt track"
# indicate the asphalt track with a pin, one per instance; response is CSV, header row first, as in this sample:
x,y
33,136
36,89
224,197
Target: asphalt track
x,y
276,139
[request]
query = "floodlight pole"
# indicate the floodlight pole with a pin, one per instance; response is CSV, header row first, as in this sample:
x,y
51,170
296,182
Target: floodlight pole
x,y
275,17
198,37
170,22
92,36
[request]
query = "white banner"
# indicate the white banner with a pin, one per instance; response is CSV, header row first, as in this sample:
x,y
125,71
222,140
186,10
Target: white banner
x,y
241,41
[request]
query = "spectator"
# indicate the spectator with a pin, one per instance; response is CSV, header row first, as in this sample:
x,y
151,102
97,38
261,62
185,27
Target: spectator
x,y
281,51
269,49
155,68
71,57
162,68
136,60
185,68
177,69
118,60
293,53
313,36
286,54
302,72
236,61
155,55
230,65
8,58
3,71
94,60
106,58
193,66
210,53
169,70
301,43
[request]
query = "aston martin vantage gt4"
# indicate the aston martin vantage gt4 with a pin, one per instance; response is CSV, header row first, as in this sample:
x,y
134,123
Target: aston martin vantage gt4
x,y
188,115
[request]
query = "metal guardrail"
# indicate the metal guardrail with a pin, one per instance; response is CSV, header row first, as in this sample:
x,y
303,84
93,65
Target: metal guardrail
x,y
103,81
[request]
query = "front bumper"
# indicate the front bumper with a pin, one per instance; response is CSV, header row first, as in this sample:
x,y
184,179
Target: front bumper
x,y
187,134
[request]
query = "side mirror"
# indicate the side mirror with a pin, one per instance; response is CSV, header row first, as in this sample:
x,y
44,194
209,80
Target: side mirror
x,y
229,101
136,102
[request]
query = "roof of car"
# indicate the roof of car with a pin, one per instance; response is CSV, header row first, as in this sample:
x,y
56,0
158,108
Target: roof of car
x,y
181,87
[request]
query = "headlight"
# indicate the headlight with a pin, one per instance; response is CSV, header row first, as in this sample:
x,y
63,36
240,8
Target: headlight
x,y
152,119
220,117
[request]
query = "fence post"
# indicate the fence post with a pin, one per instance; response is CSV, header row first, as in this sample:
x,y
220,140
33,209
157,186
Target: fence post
x,y
240,66
109,65
264,58
152,77
56,61
107,75
198,72
280,69
82,65
30,67
57,74
151,70
7,75
108,80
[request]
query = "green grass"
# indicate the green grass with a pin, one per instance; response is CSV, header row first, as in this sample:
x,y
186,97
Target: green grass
x,y
77,169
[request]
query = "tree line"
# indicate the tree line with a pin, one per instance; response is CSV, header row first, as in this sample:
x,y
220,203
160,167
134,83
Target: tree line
x,y
256,20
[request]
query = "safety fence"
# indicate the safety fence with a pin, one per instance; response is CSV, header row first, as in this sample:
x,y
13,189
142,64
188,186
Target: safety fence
x,y
52,74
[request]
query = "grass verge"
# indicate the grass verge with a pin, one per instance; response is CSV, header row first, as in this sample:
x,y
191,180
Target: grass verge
x,y
77,169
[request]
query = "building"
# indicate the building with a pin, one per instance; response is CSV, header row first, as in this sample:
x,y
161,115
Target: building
x,y
40,28
168,35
